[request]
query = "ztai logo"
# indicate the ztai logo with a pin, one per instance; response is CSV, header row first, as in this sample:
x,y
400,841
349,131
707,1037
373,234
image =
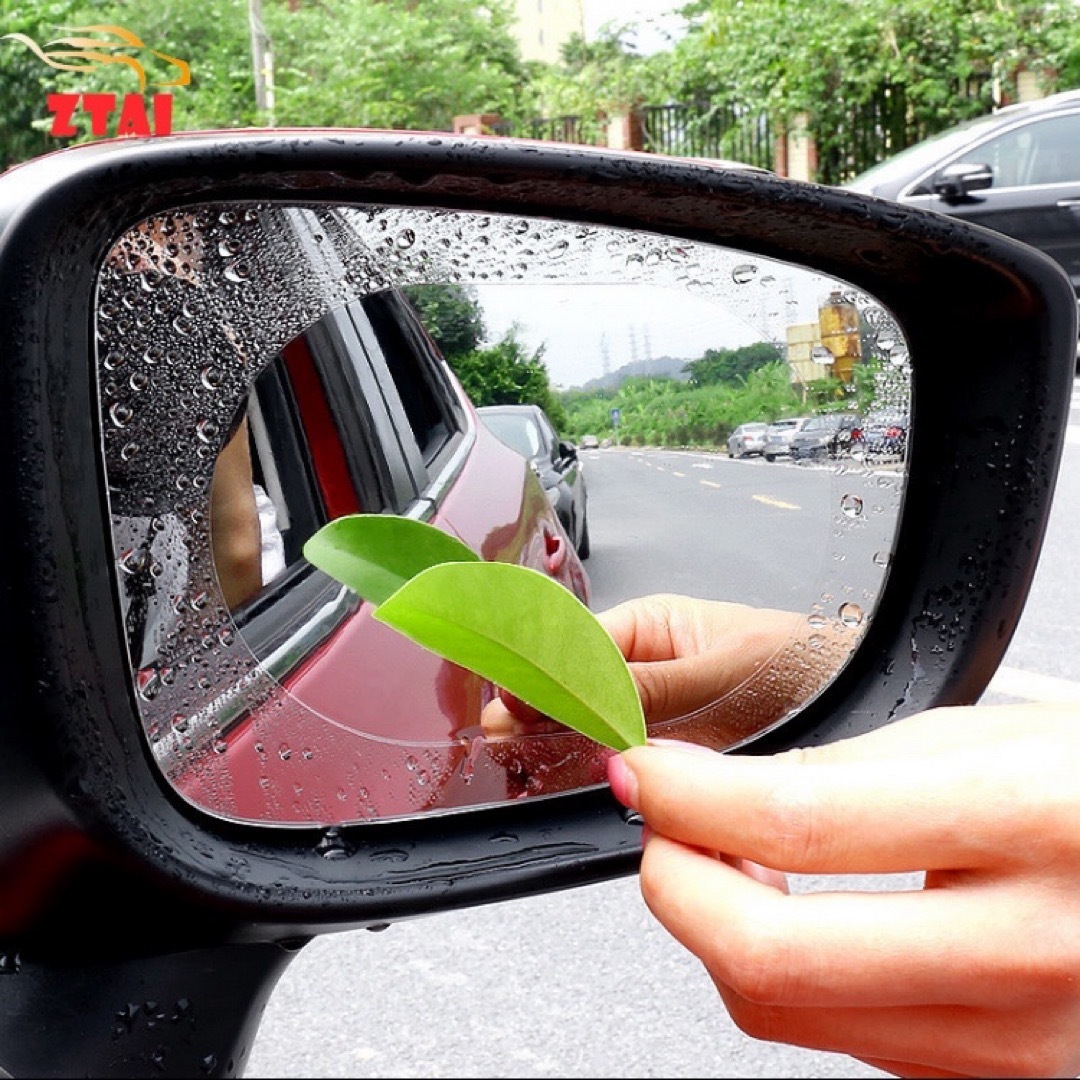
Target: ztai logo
x,y
132,118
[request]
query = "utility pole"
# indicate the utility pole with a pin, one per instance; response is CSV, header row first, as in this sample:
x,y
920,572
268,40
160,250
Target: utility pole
x,y
262,62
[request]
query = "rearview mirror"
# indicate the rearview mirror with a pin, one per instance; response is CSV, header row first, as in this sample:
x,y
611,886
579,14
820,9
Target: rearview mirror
x,y
271,365
198,757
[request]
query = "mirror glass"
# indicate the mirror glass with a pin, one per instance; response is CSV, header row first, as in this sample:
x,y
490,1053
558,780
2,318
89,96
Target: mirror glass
x,y
711,425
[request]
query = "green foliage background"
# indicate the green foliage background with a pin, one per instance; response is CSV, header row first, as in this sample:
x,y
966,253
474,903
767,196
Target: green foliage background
x,y
409,65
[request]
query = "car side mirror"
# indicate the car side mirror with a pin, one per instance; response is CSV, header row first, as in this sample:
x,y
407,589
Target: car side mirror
x,y
960,179
189,770
567,450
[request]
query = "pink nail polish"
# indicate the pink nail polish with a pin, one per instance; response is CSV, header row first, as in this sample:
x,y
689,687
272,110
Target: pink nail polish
x,y
623,781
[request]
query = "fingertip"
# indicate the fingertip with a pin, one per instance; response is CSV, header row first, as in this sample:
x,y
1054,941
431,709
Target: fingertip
x,y
623,781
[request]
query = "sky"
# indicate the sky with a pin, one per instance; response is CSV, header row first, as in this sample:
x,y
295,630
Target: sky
x,y
654,16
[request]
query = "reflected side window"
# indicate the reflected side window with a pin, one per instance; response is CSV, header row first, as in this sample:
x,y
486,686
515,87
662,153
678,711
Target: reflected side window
x,y
427,397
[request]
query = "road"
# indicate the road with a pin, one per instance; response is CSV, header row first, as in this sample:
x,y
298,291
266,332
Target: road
x,y
584,983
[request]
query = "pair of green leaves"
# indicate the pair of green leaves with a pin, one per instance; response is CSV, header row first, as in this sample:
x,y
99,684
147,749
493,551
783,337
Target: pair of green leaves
x,y
510,624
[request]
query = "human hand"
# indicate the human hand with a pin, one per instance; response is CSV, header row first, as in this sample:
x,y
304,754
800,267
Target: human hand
x,y
683,653
975,974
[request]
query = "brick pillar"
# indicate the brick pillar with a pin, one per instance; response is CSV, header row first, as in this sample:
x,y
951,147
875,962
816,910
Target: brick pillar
x,y
625,131
476,124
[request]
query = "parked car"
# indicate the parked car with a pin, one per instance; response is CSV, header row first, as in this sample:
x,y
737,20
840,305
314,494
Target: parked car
x,y
1016,170
589,442
779,435
528,430
747,440
881,435
141,934
827,435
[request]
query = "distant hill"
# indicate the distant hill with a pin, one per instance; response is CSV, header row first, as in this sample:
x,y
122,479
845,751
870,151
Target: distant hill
x,y
663,366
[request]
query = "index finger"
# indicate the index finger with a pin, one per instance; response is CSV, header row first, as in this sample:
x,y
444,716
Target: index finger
x,y
866,805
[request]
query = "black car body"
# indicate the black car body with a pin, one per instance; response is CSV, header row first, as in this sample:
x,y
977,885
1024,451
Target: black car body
x,y
1016,171
528,430
881,435
827,435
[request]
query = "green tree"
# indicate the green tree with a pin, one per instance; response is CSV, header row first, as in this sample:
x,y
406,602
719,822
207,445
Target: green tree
x,y
731,365
393,63
507,374
943,59
595,80
25,80
451,315
338,63
210,35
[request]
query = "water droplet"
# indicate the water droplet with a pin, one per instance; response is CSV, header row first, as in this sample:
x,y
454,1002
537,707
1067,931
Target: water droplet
x,y
406,238
207,430
816,641
210,378
851,614
120,414
882,558
148,684
238,271
332,845
743,273
132,560
852,506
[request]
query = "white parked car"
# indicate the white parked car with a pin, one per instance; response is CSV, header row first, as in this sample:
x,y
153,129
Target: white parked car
x,y
779,436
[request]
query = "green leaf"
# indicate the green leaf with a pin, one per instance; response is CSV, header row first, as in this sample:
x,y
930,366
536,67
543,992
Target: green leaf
x,y
375,554
528,634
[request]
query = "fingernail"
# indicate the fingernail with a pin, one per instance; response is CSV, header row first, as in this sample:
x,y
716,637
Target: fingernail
x,y
623,782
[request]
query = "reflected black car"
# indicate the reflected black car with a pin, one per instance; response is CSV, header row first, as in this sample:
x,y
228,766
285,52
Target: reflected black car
x,y
827,435
1016,171
528,430
881,436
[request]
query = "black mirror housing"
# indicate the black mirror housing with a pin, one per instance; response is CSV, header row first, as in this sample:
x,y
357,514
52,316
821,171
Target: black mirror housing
x,y
76,780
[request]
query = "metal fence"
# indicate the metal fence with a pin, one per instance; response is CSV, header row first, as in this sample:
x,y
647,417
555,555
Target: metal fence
x,y
708,130
867,133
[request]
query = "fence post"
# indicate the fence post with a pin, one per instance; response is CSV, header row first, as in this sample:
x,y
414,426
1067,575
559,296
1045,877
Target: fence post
x,y
476,124
799,150
625,131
